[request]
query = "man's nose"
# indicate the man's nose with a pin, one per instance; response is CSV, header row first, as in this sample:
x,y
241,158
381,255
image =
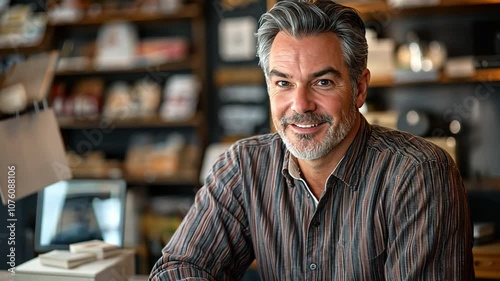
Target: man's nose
x,y
303,100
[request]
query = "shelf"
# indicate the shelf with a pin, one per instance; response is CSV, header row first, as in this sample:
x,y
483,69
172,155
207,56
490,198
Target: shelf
x,y
186,12
225,76
369,8
43,45
153,122
483,184
481,76
487,260
186,177
171,66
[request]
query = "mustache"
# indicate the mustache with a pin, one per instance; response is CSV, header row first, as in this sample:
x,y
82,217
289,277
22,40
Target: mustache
x,y
305,118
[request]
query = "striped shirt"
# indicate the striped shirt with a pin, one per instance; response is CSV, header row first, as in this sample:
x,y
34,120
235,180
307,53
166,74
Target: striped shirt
x,y
395,208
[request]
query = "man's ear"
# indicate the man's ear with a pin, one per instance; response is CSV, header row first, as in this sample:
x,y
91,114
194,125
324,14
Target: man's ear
x,y
363,82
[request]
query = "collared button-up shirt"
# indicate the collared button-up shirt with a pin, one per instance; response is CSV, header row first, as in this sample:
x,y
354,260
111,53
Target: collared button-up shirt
x,y
395,208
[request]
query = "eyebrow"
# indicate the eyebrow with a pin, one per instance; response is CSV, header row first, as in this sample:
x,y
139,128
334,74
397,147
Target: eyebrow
x,y
320,73
328,70
278,73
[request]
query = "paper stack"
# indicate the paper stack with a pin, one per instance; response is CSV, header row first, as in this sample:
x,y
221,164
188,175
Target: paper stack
x,y
99,248
65,259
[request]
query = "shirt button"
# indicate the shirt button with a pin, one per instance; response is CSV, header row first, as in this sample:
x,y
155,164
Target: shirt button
x,y
316,223
313,266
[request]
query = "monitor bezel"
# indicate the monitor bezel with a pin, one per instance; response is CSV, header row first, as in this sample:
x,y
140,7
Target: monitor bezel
x,y
122,190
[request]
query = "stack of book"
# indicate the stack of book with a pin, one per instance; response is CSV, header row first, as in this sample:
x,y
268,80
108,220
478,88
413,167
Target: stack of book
x,y
79,253
99,248
118,268
65,258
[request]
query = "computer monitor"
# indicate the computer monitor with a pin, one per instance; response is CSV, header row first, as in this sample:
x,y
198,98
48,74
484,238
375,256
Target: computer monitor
x,y
80,210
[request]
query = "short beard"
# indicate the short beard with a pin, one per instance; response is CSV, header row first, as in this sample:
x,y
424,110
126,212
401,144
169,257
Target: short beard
x,y
308,149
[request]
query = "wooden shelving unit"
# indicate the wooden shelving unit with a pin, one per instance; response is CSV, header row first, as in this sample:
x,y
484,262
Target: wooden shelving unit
x,y
186,12
186,177
169,66
480,76
146,122
26,49
373,7
487,260
238,75
190,20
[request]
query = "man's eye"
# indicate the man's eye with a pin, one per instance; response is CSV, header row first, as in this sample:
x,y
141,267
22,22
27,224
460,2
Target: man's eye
x,y
324,82
283,83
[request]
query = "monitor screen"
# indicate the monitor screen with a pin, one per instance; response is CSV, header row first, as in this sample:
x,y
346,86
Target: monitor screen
x,y
80,210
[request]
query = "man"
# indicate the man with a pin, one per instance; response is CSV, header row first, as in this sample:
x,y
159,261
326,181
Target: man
x,y
329,197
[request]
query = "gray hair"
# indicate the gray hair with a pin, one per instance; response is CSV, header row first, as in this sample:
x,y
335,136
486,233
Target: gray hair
x,y
304,18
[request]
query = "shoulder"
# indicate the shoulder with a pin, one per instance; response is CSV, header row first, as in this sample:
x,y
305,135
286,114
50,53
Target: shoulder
x,y
406,146
247,149
260,144
266,140
244,159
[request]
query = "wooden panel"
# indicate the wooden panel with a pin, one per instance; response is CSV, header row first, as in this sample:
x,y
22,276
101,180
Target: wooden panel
x,y
487,260
188,11
238,75
468,2
480,76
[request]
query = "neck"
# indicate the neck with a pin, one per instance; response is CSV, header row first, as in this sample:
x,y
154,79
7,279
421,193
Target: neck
x,y
316,172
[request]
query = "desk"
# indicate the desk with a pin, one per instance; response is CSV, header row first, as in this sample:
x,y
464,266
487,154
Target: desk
x,y
487,260
6,275
119,267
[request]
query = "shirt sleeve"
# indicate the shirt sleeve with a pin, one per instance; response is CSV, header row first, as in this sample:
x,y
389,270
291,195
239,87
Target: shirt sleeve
x,y
213,241
430,228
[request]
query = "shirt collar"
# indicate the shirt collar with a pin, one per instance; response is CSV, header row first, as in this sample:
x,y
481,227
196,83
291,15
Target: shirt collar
x,y
348,169
293,167
286,166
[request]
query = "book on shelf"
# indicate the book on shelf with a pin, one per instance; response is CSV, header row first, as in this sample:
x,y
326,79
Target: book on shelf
x,y
98,248
65,258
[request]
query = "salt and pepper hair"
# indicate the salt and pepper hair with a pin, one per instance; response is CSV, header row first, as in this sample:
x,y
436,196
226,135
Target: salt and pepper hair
x,y
305,18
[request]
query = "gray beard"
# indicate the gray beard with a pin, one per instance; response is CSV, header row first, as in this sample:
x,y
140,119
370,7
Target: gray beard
x,y
308,149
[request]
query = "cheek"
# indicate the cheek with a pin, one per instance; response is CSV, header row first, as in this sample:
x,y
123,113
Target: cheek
x,y
278,105
336,108
333,105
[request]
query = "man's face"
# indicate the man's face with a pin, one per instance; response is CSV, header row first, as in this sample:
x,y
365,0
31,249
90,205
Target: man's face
x,y
310,93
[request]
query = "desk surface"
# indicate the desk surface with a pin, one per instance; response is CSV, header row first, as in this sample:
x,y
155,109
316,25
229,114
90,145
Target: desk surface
x,y
7,276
